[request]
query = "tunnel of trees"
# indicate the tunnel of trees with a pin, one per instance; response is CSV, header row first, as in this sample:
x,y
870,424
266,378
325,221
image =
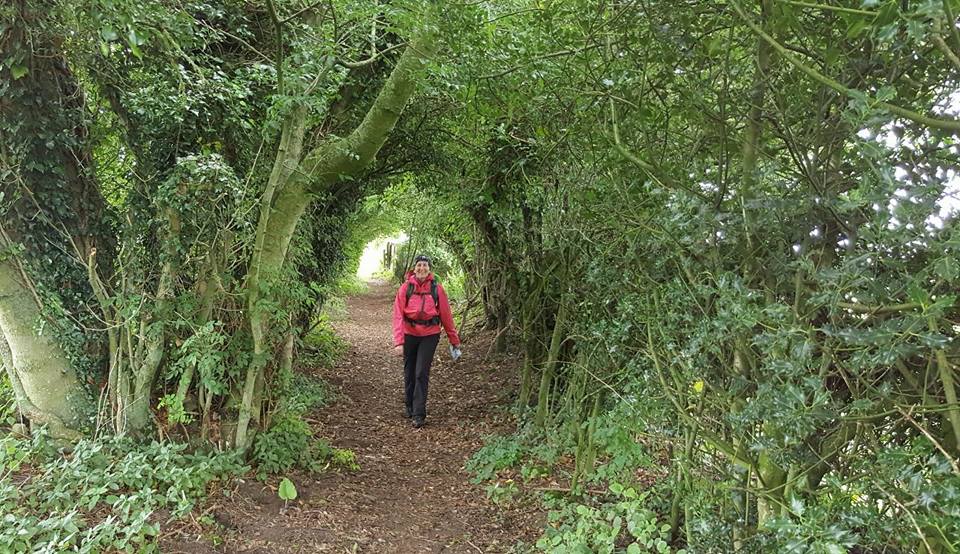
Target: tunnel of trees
x,y
721,236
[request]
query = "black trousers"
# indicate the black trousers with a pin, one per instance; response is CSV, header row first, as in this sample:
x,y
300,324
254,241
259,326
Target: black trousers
x,y
417,358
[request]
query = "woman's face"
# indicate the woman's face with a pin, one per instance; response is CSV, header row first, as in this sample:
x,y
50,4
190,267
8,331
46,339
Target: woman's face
x,y
421,270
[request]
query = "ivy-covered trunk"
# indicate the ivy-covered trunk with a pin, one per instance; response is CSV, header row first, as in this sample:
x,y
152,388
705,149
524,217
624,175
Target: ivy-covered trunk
x,y
54,216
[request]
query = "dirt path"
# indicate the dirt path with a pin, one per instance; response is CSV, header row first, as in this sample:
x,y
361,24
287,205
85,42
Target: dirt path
x,y
411,494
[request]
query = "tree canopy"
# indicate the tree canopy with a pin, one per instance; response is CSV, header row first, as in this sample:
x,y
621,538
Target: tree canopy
x,y
719,234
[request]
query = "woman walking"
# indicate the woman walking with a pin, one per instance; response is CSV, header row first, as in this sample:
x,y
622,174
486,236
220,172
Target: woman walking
x,y
419,310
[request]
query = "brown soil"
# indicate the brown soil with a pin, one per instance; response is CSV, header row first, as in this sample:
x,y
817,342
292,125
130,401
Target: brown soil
x,y
411,494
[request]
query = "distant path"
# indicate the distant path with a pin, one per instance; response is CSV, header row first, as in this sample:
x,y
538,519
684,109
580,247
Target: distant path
x,y
411,494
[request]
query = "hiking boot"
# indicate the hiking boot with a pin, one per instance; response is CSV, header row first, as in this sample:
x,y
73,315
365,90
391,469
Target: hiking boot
x,y
408,412
418,422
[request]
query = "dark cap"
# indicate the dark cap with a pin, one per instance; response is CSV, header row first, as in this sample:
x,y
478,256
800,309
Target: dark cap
x,y
422,258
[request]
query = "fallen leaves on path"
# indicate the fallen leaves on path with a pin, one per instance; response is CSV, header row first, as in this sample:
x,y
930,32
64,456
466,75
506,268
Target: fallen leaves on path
x,y
411,494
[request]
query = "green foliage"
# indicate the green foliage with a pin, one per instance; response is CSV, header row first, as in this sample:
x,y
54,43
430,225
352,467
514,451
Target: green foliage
x,y
176,411
334,296
843,516
454,284
502,493
322,346
433,222
289,444
63,506
334,309
621,524
742,254
350,285
8,402
778,329
528,452
442,264
284,446
618,448
498,453
304,393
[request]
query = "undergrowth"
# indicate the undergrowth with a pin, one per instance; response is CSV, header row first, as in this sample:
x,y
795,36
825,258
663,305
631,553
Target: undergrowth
x,y
104,496
8,406
289,442
615,511
113,494
618,522
349,285
322,347
335,296
622,519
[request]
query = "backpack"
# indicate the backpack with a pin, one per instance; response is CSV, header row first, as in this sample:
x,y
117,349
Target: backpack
x,y
435,320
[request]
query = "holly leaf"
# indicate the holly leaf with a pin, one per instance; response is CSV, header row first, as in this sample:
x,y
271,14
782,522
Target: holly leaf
x,y
947,268
917,294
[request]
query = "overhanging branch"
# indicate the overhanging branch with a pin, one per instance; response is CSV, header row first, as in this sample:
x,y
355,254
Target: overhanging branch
x,y
933,122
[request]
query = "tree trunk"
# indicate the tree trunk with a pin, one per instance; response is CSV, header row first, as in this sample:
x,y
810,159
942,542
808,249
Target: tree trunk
x,y
754,127
289,193
752,141
41,373
553,358
56,212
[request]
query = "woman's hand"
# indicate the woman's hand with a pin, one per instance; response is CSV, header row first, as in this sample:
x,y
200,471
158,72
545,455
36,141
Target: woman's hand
x,y
398,350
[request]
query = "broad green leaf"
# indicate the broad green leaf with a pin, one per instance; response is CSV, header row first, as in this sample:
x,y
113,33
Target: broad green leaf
x,y
109,34
287,490
796,506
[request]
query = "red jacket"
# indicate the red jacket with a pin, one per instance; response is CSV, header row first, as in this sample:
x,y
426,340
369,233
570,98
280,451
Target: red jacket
x,y
421,306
